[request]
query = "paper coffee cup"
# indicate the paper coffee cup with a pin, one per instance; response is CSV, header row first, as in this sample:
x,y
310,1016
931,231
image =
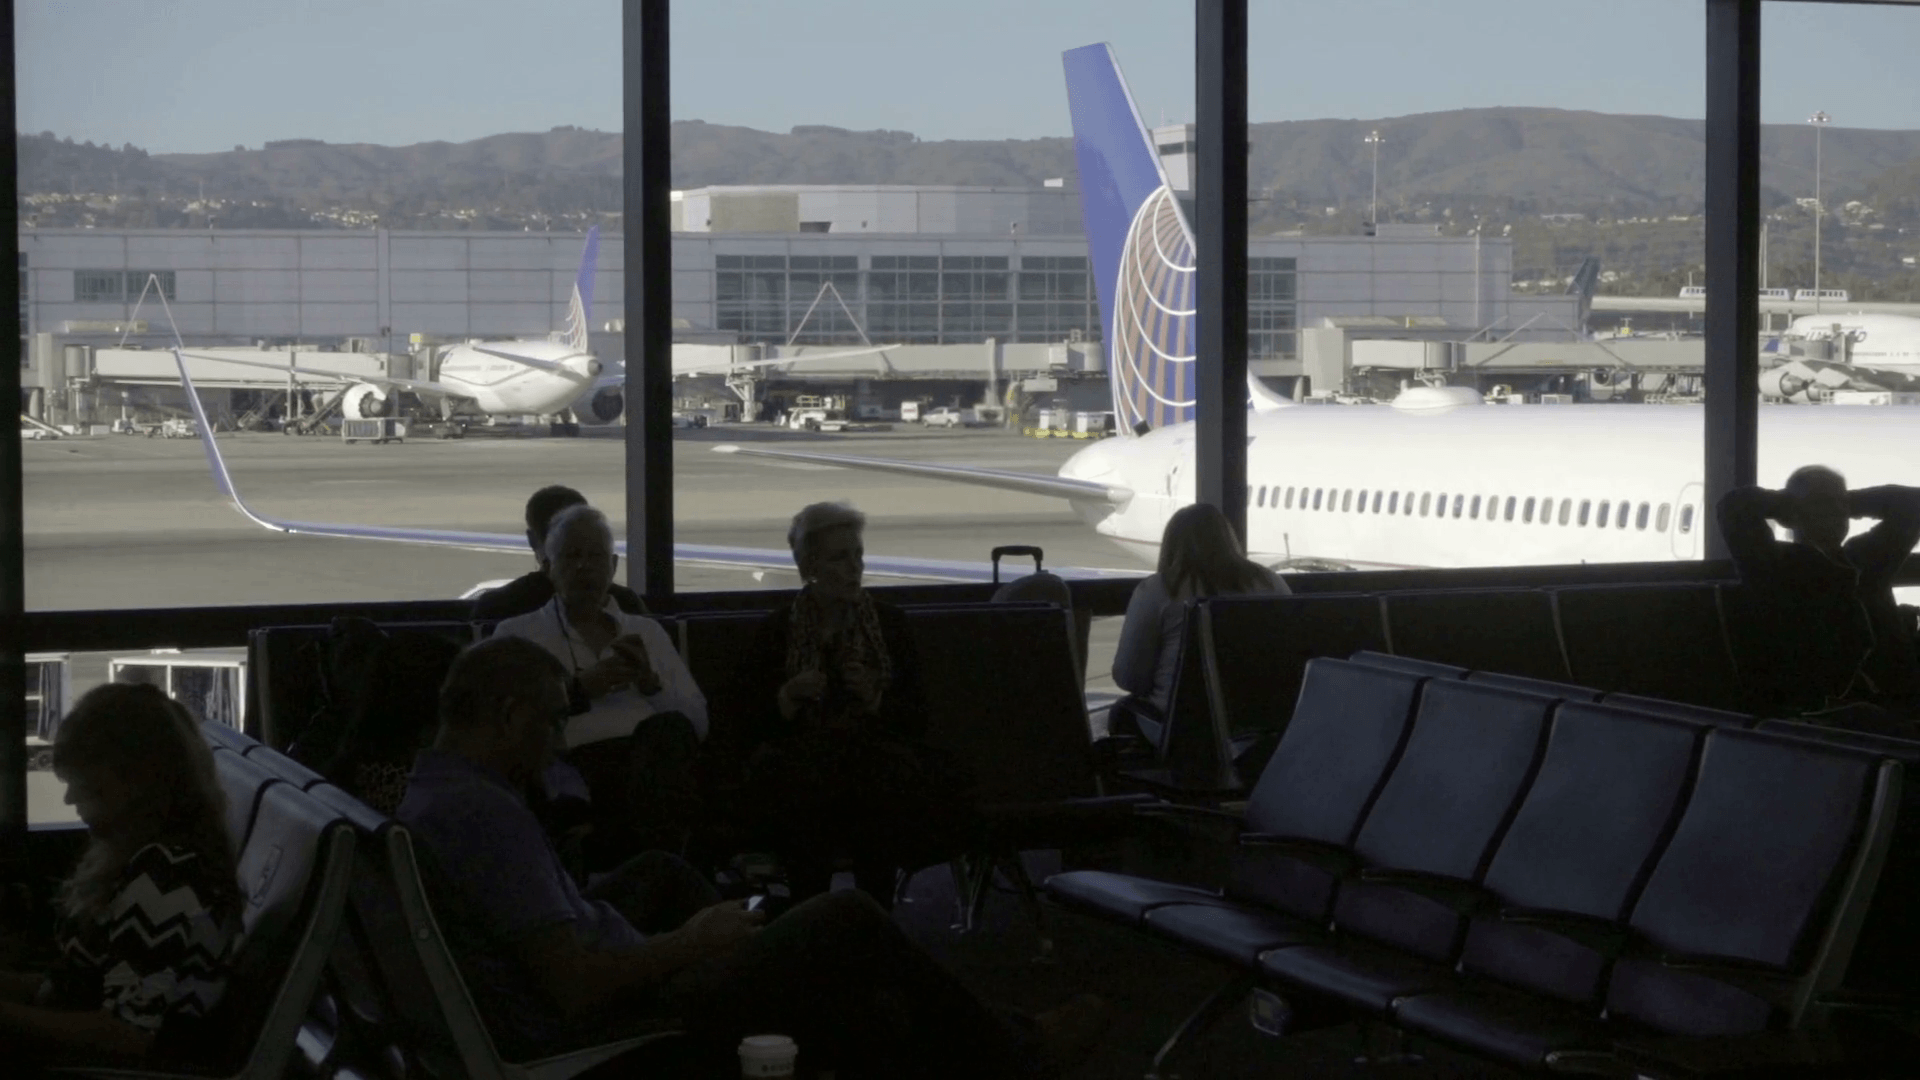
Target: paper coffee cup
x,y
763,1056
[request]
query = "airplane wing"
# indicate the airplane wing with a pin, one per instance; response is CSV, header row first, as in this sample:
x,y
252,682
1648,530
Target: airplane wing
x,y
936,570
1057,487
696,367
526,361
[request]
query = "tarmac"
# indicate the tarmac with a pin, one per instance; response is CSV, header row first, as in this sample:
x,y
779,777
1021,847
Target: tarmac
x,y
130,522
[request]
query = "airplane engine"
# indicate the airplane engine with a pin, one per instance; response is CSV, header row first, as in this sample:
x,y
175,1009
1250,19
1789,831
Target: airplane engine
x,y
364,401
604,406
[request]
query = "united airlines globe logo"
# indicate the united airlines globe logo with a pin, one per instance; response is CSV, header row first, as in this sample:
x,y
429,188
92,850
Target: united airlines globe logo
x,y
1153,326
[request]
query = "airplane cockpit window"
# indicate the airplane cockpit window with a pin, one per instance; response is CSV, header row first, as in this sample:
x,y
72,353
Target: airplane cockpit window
x,y
1640,518
1566,510
1526,513
1686,518
1661,517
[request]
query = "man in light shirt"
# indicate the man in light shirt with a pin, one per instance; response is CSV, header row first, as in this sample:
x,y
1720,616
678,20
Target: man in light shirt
x,y
638,716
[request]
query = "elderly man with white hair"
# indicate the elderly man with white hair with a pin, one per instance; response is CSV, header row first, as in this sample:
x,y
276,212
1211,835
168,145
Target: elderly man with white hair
x,y
638,716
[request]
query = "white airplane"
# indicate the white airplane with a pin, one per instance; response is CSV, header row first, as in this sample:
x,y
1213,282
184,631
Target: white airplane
x,y
1437,480
551,376
1882,352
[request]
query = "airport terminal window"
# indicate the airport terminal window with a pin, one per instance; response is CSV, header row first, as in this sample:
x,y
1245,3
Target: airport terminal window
x,y
1271,310
903,298
813,281
974,298
750,295
1662,516
98,286
1056,299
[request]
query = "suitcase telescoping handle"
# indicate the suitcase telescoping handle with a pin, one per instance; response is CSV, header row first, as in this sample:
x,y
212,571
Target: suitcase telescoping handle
x,y
1015,549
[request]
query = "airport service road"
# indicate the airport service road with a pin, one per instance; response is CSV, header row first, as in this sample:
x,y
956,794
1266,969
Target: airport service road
x,y
120,521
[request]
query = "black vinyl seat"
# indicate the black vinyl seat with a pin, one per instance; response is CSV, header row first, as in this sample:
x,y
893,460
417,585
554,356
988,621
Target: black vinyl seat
x,y
1347,729
1257,649
244,781
1677,710
1190,751
1748,916
1431,669
1607,795
288,676
1662,641
1422,848
1507,630
1544,687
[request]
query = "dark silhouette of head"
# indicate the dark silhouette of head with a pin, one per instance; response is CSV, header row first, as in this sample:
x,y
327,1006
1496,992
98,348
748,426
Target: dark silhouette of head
x,y
1820,513
542,507
1201,556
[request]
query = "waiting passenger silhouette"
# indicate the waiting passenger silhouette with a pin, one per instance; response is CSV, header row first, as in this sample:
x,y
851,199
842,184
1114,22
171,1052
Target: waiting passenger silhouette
x,y
1199,556
152,914
837,761
534,588
395,718
638,717
1827,628
553,968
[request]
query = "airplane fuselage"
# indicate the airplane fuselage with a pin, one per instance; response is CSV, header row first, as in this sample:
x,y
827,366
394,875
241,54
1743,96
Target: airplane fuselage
x,y
499,386
1364,486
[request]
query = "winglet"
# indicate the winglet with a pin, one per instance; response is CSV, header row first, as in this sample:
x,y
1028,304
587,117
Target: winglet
x,y
580,307
221,478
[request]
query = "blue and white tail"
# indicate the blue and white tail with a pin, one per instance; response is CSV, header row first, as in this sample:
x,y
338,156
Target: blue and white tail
x,y
580,307
1140,243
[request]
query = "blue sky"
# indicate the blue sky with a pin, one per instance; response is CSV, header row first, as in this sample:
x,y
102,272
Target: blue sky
x,y
197,75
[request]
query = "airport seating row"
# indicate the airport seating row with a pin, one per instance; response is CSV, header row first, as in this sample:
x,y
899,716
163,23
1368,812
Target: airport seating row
x,y
1551,882
1243,658
392,1001
1004,701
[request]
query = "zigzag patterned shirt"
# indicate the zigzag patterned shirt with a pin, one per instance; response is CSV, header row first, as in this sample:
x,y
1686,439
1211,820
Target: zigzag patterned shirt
x,y
159,952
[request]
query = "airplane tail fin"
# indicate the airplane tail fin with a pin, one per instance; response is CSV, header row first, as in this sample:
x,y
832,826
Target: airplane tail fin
x,y
1140,243
580,307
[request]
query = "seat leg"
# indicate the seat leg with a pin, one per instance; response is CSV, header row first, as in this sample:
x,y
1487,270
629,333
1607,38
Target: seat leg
x,y
1022,882
1197,1022
969,891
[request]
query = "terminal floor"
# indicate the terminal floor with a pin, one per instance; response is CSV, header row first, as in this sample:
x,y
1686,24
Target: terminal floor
x,y
1151,986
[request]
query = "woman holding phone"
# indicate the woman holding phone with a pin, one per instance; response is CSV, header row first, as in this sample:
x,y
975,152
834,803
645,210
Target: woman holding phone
x,y
638,716
838,765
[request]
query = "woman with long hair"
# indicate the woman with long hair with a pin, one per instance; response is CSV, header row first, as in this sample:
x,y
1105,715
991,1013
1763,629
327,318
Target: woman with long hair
x,y
151,914
1199,556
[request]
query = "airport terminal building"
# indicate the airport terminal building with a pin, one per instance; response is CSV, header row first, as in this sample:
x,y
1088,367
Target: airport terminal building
x,y
758,265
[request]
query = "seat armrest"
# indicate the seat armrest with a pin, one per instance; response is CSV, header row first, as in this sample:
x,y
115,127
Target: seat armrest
x,y
1462,896
1332,858
1768,983
1604,936
1164,809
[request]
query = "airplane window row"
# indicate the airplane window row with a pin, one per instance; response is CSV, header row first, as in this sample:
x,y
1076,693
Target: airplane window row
x,y
1582,512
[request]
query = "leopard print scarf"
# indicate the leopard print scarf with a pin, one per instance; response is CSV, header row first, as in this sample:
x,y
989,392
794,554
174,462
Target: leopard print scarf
x,y
861,640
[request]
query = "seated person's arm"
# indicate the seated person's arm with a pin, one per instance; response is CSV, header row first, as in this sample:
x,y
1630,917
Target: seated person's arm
x,y
677,689
577,979
1133,661
94,1030
1881,550
1743,514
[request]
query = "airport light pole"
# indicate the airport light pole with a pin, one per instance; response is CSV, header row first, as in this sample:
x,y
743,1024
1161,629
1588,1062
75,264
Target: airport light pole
x,y
1819,120
1373,219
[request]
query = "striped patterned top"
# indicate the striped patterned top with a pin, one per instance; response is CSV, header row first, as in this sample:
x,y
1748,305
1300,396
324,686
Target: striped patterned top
x,y
159,952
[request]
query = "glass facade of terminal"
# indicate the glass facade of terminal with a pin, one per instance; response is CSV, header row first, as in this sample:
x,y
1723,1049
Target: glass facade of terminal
x,y
953,300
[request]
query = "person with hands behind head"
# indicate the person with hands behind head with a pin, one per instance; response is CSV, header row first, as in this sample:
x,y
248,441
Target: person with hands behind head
x,y
638,717
1826,627
837,760
554,968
